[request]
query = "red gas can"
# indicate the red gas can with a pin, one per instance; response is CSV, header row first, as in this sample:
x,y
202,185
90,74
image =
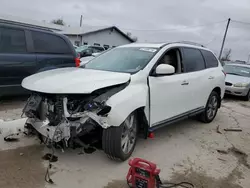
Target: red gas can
x,y
142,174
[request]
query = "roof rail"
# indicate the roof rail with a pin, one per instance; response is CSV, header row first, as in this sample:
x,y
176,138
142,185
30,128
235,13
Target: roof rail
x,y
192,43
25,25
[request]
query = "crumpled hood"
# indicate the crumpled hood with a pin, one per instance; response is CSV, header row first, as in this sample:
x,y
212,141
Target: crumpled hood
x,y
73,80
234,79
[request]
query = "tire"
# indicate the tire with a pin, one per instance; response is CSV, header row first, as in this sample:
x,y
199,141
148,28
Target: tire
x,y
119,142
211,108
247,97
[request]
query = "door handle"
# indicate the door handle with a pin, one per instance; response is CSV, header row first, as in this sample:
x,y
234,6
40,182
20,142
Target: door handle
x,y
211,77
184,83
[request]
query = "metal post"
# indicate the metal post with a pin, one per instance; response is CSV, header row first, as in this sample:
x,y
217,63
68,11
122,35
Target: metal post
x,y
224,38
81,21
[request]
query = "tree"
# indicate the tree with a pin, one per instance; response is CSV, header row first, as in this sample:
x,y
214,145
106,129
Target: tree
x,y
227,55
58,21
134,38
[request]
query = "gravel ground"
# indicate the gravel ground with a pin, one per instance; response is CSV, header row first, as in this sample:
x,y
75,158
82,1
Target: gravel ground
x,y
203,154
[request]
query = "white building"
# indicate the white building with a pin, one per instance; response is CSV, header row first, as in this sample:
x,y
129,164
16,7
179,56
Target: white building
x,y
100,36
91,35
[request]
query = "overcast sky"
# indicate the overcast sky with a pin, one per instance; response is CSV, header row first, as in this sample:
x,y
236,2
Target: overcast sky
x,y
151,21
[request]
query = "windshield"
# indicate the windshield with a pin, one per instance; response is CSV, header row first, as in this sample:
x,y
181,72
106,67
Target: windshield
x,y
237,70
128,59
81,48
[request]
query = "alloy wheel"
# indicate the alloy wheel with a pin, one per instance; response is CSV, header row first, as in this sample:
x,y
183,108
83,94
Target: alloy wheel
x,y
129,132
212,107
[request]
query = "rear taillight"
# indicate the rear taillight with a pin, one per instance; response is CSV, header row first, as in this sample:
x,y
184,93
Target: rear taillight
x,y
77,62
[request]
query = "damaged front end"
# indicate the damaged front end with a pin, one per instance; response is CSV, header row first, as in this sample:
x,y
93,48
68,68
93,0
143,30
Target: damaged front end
x,y
68,118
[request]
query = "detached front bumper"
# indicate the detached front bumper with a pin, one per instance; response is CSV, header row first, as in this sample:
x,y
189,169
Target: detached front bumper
x,y
63,131
237,91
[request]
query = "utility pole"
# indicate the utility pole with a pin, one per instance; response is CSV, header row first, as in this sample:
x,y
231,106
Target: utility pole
x,y
224,38
81,21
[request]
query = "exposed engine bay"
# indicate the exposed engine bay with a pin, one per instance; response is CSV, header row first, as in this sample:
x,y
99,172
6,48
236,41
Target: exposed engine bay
x,y
66,118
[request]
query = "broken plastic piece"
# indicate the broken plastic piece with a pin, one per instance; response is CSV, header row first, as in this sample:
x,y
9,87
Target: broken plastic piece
x,y
234,129
49,157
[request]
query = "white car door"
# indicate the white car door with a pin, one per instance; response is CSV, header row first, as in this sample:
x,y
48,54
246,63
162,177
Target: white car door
x,y
214,73
169,96
194,68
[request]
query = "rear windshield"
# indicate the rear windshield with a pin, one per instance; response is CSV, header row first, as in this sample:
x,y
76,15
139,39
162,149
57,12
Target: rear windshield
x,y
127,59
237,70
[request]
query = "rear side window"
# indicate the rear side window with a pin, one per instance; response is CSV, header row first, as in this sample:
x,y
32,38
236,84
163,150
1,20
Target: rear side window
x,y
193,60
97,49
106,46
12,40
47,43
210,59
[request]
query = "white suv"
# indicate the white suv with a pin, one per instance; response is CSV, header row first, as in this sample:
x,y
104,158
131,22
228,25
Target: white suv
x,y
131,89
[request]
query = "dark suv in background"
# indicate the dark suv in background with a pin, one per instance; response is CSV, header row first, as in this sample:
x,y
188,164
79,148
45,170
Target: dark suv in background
x,y
25,51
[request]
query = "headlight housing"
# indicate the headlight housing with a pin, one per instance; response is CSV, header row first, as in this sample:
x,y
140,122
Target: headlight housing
x,y
240,84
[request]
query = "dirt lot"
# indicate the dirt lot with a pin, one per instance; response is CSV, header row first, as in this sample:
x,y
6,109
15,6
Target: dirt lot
x,y
203,154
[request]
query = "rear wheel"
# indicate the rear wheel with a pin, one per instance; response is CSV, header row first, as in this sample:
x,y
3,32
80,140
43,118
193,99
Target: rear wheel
x,y
247,97
119,142
211,108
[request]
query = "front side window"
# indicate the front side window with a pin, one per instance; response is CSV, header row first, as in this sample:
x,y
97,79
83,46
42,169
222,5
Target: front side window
x,y
12,40
193,60
128,59
210,59
237,70
172,57
48,43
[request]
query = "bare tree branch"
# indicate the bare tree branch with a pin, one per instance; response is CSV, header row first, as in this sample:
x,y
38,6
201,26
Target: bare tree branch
x,y
58,21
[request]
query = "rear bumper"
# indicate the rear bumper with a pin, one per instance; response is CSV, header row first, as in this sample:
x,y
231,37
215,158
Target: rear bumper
x,y
237,91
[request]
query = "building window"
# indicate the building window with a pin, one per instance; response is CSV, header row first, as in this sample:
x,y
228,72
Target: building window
x,y
106,46
85,43
96,44
77,43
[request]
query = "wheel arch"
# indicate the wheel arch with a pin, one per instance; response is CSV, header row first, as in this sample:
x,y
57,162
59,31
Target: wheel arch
x,y
142,121
218,90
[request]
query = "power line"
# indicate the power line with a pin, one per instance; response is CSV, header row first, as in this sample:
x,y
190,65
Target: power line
x,y
185,27
214,38
247,23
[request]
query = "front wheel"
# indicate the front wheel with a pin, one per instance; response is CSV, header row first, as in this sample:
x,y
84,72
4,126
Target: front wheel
x,y
211,108
247,97
119,142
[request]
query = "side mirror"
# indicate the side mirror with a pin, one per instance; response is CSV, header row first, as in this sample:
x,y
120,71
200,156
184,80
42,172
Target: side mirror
x,y
164,69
